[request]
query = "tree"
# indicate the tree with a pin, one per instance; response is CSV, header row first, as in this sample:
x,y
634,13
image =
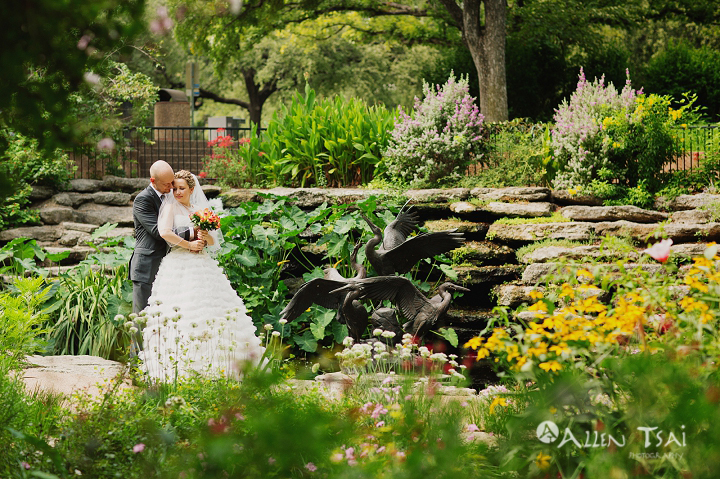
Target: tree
x,y
48,47
226,33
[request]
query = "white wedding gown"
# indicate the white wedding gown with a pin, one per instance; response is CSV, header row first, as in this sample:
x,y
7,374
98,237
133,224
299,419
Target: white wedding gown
x,y
196,322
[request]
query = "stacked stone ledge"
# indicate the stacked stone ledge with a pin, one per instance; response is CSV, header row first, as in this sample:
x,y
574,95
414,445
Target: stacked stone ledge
x,y
489,266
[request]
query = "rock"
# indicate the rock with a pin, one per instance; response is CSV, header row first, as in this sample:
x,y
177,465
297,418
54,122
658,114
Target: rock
x,y
85,186
564,197
40,233
114,198
691,216
118,232
512,194
72,238
513,295
612,213
688,250
314,248
99,214
527,232
84,227
470,229
234,198
678,232
463,207
536,272
40,193
483,253
308,198
520,210
72,199
128,185
691,202
553,253
211,191
439,195
468,275
77,254
293,284
56,215
468,319
72,375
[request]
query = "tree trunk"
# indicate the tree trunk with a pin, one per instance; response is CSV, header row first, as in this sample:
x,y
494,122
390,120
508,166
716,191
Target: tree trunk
x,y
257,95
487,48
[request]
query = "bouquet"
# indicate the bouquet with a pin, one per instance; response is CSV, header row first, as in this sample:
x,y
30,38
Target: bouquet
x,y
205,220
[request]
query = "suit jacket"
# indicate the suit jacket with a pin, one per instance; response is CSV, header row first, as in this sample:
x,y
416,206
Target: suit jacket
x,y
150,247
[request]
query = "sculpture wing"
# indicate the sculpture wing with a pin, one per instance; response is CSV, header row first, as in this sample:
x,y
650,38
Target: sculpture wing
x,y
315,291
399,229
405,256
401,291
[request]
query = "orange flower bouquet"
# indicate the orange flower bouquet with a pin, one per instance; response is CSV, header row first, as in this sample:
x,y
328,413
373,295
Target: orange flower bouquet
x,y
205,220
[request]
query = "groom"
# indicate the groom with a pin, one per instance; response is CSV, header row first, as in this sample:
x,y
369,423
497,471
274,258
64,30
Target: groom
x,y
150,247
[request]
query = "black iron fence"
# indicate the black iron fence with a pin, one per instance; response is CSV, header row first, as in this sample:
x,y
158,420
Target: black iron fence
x,y
185,148
188,147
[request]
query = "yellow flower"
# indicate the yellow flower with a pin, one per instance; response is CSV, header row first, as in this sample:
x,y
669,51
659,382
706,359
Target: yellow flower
x,y
498,401
583,273
550,366
572,191
542,461
535,294
473,343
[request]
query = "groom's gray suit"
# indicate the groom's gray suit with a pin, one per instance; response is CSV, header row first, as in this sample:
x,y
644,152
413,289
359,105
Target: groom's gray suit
x,y
150,247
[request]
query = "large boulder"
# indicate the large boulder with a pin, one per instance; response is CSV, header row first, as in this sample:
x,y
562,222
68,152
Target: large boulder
x,y
40,233
73,237
470,229
537,272
528,232
128,185
530,193
114,198
691,216
565,197
84,227
100,214
471,275
484,253
612,213
211,191
520,210
40,193
72,199
438,195
678,232
53,215
553,253
85,186
234,197
689,202
74,375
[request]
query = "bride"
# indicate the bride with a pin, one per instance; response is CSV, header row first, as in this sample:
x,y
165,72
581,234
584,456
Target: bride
x,y
196,322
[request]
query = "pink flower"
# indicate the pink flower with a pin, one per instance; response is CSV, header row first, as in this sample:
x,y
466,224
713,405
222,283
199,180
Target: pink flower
x,y
380,424
311,467
25,465
140,447
660,251
106,144
271,460
472,428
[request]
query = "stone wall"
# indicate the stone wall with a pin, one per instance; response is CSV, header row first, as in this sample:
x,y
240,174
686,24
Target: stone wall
x,y
490,267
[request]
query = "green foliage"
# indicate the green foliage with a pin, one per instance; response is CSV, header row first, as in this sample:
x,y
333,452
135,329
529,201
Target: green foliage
x,y
682,67
25,164
22,317
439,139
21,255
555,218
46,56
517,156
83,322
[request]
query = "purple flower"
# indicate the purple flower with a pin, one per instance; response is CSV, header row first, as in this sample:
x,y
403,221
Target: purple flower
x,y
311,467
139,447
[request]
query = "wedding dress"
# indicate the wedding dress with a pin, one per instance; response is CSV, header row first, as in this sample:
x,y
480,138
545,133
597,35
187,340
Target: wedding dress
x,y
196,322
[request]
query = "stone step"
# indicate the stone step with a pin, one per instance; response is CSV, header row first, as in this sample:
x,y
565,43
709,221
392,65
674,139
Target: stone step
x,y
599,252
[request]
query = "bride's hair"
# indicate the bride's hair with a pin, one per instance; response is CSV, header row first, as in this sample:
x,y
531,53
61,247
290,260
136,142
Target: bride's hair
x,y
187,176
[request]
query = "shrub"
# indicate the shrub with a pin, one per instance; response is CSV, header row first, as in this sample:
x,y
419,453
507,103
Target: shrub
x,y
26,165
440,139
328,142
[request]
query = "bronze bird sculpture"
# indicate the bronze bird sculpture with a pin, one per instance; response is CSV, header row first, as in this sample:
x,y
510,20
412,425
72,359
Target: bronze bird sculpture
x,y
420,312
324,292
398,254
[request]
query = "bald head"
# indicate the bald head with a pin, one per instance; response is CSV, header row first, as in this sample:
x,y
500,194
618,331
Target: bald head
x,y
162,176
